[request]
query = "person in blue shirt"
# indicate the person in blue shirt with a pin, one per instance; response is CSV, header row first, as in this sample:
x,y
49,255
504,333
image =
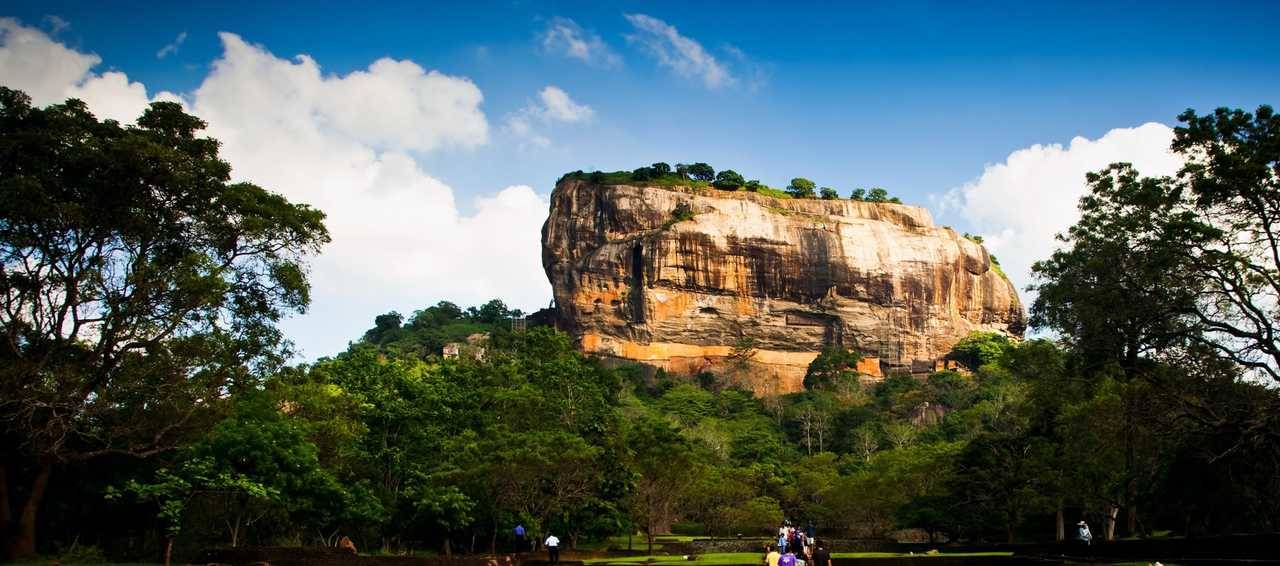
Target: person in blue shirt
x,y
519,530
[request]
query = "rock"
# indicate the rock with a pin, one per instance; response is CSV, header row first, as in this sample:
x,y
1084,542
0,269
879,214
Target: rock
x,y
753,287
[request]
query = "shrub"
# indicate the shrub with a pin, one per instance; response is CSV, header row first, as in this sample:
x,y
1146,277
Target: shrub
x,y
828,193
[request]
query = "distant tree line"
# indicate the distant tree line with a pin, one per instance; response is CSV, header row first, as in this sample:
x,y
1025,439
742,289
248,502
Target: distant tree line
x,y
703,175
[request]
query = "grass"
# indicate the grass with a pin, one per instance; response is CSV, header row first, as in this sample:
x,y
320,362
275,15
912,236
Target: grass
x,y
753,558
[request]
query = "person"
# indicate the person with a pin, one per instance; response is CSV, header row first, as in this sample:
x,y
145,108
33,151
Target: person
x,y
820,555
553,548
782,541
771,558
1082,533
519,530
787,559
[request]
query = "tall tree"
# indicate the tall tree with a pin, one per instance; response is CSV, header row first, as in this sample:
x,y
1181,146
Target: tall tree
x,y
137,286
1232,180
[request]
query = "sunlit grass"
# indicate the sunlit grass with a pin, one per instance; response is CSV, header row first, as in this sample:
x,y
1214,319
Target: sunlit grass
x,y
753,558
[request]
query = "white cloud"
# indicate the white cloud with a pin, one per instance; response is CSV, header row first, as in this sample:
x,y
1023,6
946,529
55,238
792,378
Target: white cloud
x,y
559,107
50,73
344,144
683,55
1019,205
172,47
553,105
565,37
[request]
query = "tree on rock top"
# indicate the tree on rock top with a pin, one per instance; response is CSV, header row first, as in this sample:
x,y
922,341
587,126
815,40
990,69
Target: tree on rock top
x,y
729,179
801,187
701,172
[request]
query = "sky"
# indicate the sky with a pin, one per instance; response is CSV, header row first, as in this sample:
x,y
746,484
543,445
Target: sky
x,y
432,133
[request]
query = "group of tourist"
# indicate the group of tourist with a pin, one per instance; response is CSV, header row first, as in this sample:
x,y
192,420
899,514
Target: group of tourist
x,y
797,548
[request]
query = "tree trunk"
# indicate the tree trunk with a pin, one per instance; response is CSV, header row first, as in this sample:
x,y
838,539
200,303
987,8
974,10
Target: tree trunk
x,y
1060,533
6,512
168,551
493,540
22,542
1112,512
448,550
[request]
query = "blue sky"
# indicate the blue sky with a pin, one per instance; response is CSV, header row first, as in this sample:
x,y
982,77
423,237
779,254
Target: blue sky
x,y
942,103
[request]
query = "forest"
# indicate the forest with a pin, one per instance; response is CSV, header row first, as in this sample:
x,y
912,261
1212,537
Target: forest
x,y
145,380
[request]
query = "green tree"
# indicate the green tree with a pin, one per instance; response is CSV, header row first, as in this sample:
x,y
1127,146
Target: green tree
x,y
828,193
858,194
834,365
661,169
1231,186
801,188
729,179
701,172
877,194
643,174
980,348
139,284
753,185
661,460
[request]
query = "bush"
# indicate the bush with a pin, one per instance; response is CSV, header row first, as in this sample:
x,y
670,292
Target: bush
x,y
688,528
828,193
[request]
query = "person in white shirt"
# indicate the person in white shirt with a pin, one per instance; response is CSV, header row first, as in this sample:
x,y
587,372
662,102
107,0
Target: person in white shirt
x,y
553,548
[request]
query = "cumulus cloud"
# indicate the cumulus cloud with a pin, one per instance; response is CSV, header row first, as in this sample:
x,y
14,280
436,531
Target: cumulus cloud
x,y
681,54
553,105
50,73
345,144
172,47
1020,204
565,37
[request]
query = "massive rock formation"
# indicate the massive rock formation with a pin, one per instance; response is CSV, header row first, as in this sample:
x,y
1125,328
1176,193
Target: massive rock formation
x,y
753,287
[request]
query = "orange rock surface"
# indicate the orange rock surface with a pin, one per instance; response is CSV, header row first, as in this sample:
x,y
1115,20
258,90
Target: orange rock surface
x,y
753,287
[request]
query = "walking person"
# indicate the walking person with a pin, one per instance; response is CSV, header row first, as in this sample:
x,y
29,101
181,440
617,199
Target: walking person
x,y
772,556
820,555
519,530
788,559
553,548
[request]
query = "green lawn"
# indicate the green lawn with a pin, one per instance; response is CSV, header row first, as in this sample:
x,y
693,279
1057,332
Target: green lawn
x,y
752,558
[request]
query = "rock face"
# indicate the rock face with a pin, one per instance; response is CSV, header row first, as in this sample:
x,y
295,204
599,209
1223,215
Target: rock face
x,y
753,287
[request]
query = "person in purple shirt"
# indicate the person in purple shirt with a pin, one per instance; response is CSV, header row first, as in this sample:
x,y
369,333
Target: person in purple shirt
x,y
788,559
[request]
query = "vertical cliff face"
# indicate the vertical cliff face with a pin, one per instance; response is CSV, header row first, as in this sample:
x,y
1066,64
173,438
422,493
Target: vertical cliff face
x,y
685,279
